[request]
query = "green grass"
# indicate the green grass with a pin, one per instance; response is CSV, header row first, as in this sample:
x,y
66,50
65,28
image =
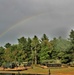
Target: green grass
x,y
39,70
36,70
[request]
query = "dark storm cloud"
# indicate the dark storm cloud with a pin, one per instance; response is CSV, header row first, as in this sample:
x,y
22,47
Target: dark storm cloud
x,y
56,20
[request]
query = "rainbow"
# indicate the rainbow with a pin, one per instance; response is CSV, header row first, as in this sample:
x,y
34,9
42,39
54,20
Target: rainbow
x,y
23,21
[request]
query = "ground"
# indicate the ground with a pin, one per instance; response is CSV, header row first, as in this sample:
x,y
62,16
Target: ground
x,y
40,70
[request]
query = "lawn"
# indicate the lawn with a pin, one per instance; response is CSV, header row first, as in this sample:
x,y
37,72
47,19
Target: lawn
x,y
53,71
39,70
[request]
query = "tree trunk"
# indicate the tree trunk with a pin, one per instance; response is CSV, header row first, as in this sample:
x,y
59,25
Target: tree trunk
x,y
32,56
35,56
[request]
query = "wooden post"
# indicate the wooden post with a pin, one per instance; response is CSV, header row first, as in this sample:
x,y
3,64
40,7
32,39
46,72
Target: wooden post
x,y
49,72
18,73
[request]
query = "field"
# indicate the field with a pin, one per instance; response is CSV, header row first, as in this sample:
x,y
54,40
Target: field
x,y
39,70
53,71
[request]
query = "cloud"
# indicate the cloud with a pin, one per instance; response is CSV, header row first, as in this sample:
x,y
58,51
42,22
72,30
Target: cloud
x,y
57,18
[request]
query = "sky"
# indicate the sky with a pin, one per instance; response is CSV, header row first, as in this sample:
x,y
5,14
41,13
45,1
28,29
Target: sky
x,y
35,17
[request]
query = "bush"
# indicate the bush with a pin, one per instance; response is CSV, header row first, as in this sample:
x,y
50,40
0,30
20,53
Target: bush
x,y
72,64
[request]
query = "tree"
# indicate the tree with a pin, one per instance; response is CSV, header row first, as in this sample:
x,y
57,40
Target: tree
x,y
22,41
72,43
22,45
7,45
46,49
1,54
72,36
61,50
35,49
7,55
44,37
29,49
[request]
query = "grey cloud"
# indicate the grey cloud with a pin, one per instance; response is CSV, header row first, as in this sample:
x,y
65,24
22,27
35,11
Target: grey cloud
x,y
57,18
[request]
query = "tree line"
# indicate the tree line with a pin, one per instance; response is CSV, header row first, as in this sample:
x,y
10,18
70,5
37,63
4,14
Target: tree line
x,y
36,51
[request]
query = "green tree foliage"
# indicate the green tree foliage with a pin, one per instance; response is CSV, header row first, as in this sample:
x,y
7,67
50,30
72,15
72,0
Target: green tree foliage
x,y
46,49
22,42
29,58
35,49
22,45
7,45
61,50
1,54
72,36
7,55
72,43
44,37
